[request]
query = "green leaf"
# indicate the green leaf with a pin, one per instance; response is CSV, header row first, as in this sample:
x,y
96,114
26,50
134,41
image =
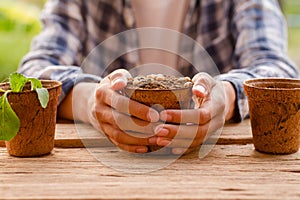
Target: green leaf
x,y
17,82
9,121
43,96
35,83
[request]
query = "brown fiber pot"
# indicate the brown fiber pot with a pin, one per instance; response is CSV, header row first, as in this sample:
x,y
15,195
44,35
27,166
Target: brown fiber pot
x,y
161,99
36,133
274,105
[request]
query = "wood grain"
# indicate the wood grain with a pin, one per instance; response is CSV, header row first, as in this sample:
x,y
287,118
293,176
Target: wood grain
x,y
69,135
228,172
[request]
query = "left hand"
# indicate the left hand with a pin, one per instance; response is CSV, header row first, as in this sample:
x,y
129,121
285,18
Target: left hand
x,y
127,123
187,129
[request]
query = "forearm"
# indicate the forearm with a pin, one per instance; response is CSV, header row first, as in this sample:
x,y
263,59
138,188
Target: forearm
x,y
76,104
230,99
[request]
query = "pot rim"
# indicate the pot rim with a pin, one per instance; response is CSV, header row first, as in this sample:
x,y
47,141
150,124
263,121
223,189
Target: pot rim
x,y
54,82
161,90
253,83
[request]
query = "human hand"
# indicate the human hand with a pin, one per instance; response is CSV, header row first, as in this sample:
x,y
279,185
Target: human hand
x,y
128,124
186,129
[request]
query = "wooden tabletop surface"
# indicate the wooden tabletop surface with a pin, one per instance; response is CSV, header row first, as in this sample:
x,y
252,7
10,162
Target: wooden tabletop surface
x,y
231,170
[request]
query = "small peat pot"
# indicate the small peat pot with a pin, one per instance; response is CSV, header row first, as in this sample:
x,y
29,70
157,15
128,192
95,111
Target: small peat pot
x,y
33,134
274,106
160,92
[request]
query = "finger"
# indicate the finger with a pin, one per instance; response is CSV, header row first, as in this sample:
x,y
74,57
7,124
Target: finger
x,y
191,131
102,113
128,123
124,105
121,137
118,79
196,116
179,131
214,105
203,83
179,143
131,148
141,111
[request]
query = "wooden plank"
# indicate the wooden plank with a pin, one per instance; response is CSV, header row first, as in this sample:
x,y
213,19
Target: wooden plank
x,y
236,133
77,135
71,135
228,172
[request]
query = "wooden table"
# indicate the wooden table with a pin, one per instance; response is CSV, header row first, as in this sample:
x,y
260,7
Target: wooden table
x,y
232,170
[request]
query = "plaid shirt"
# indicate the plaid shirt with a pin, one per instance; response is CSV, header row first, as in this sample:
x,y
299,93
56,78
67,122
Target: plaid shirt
x,y
245,39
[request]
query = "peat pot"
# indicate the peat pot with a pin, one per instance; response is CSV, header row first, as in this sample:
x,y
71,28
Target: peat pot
x,y
161,92
37,125
274,105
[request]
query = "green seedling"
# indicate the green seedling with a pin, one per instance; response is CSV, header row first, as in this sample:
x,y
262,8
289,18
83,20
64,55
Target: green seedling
x,y
9,121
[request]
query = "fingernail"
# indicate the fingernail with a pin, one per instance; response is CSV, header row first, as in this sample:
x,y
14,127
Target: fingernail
x,y
152,140
200,88
141,150
163,142
153,115
118,84
165,116
159,131
115,81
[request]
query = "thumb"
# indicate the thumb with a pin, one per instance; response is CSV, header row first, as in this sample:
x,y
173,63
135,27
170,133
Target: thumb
x,y
203,84
118,79
199,90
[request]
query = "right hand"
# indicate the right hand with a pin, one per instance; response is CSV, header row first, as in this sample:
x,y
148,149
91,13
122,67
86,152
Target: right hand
x,y
115,114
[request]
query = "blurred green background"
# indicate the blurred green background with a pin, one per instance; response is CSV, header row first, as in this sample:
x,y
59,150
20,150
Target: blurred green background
x,y
19,22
